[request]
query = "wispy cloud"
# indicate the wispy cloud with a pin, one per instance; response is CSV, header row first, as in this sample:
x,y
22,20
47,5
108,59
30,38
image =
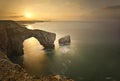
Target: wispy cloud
x,y
109,12
113,7
15,16
12,17
60,9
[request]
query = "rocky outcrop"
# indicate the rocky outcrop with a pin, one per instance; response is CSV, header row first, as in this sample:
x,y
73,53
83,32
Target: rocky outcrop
x,y
14,72
12,36
65,40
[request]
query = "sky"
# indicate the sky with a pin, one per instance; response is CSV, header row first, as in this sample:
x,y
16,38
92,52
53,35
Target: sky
x,y
59,9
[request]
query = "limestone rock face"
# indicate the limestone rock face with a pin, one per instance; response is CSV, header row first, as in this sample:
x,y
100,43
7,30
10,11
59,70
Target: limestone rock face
x,y
12,36
65,40
45,38
12,72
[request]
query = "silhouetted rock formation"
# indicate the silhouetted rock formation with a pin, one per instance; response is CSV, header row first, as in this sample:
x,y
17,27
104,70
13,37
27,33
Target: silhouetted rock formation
x,y
12,36
14,72
65,40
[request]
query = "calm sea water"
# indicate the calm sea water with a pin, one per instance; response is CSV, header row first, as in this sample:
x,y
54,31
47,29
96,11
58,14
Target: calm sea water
x,y
94,54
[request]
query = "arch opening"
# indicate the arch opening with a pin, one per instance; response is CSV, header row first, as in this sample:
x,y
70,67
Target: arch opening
x,y
31,45
35,55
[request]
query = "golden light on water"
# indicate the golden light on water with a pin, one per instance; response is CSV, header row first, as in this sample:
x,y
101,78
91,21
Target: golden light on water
x,y
64,49
29,27
34,56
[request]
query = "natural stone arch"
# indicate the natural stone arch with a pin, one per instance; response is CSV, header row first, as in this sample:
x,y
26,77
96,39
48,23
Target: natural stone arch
x,y
31,43
13,35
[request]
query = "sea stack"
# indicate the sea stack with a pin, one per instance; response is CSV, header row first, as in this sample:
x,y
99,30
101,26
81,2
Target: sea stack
x,y
65,40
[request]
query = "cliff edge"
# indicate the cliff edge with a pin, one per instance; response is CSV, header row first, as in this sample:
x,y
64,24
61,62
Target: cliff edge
x,y
12,36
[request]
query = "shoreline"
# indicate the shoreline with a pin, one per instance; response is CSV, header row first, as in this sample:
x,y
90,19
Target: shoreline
x,y
12,37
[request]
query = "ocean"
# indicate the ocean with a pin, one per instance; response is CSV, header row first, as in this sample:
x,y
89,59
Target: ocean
x,y
93,55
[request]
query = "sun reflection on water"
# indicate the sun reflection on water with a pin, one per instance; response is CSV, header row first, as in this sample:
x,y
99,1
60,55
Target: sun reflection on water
x,y
35,59
64,49
29,27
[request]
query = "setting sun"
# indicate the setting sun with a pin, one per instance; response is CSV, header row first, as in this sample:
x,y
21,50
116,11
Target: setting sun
x,y
28,15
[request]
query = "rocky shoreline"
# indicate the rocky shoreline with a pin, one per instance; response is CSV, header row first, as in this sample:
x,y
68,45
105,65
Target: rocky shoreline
x,y
12,36
14,72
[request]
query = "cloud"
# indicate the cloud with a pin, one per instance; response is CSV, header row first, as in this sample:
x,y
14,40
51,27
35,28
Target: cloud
x,y
113,7
109,12
14,16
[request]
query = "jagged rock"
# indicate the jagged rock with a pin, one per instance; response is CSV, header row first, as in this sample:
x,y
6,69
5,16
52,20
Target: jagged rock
x,y
65,40
14,72
12,36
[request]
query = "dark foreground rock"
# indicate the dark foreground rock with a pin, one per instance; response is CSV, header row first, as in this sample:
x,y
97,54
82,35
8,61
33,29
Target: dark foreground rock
x,y
65,40
14,72
12,36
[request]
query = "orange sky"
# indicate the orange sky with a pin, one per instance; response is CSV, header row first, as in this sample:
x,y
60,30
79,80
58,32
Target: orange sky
x,y
59,9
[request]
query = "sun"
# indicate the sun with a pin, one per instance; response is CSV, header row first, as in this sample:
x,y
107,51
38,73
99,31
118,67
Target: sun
x,y
28,15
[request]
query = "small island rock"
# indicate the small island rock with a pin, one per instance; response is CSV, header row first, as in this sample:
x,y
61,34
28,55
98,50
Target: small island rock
x,y
65,40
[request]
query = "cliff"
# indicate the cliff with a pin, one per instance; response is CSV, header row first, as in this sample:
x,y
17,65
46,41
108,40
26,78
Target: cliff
x,y
14,72
10,71
12,36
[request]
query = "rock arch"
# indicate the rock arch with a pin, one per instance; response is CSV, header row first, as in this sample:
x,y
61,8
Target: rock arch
x,y
12,36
